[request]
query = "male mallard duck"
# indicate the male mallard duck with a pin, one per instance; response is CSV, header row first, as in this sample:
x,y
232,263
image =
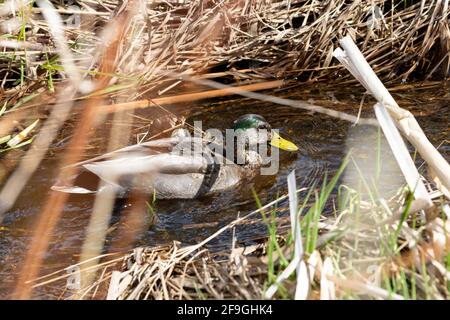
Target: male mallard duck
x,y
166,166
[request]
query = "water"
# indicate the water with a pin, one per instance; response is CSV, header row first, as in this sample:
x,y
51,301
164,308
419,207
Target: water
x,y
322,141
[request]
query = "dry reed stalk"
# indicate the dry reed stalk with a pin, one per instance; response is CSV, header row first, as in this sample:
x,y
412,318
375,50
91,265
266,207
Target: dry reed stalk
x,y
96,233
364,288
353,59
63,274
103,206
284,102
54,205
327,288
245,91
303,284
102,211
188,97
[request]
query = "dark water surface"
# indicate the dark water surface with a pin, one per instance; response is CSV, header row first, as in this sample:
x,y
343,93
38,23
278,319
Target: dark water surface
x,y
322,141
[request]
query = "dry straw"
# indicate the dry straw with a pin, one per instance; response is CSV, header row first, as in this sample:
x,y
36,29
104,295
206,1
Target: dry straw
x,y
243,39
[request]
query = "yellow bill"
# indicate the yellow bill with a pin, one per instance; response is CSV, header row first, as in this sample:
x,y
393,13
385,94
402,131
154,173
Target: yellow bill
x,y
281,143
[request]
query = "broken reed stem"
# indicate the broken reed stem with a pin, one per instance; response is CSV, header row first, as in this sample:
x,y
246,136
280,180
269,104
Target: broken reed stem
x,y
188,97
355,62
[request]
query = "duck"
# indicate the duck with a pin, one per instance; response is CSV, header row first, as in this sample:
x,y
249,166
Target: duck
x,y
182,166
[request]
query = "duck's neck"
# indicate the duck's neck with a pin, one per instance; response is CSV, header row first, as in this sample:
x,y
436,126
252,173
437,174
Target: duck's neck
x,y
252,159
247,149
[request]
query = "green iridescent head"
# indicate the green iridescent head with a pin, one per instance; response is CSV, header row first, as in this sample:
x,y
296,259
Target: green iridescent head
x,y
249,121
256,122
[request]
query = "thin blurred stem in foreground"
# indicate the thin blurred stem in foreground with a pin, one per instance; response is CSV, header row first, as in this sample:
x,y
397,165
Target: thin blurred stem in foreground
x,y
52,210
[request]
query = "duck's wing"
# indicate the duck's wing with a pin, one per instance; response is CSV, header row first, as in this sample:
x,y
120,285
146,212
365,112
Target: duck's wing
x,y
165,145
149,147
137,165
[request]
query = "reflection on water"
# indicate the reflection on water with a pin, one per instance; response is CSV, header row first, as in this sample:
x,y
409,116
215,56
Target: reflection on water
x,y
322,143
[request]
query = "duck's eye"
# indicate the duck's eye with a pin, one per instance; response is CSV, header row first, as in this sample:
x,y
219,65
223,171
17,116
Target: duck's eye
x,y
262,126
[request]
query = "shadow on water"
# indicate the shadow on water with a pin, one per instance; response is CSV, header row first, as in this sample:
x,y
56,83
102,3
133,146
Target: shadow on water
x,y
322,143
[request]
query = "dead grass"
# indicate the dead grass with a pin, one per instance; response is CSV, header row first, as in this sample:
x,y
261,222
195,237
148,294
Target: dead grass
x,y
241,39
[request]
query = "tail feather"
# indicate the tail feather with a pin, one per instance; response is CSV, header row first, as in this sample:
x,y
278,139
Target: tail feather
x,y
73,189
